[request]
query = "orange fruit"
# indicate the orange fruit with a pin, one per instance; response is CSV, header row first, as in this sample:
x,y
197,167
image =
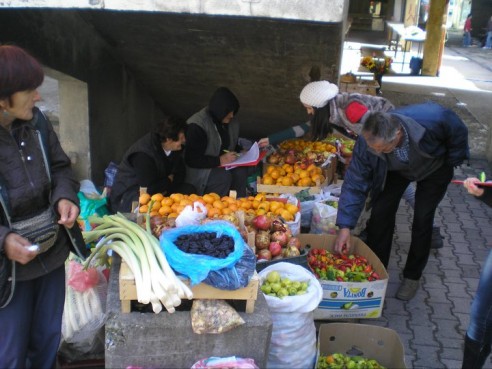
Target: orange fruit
x,y
143,199
167,201
226,211
143,208
267,180
246,205
233,207
265,205
209,199
260,197
303,174
275,174
177,197
287,181
218,204
304,182
154,213
213,212
173,215
157,197
288,216
291,208
165,210
156,206
270,168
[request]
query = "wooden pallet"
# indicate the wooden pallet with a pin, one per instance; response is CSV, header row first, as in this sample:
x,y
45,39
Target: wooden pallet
x,y
249,293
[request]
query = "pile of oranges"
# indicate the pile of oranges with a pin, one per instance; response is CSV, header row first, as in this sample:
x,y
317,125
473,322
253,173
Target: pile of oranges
x,y
217,207
293,175
300,145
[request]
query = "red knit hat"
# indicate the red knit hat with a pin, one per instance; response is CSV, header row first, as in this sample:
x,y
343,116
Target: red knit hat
x,y
354,111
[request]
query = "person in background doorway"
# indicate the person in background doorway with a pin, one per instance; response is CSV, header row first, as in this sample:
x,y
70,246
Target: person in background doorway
x,y
488,39
156,162
212,142
467,40
479,333
38,192
422,143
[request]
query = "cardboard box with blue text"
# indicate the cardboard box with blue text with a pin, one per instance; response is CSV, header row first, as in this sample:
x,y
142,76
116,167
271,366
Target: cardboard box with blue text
x,y
349,300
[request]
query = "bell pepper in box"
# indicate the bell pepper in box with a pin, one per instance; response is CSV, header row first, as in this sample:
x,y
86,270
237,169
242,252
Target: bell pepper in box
x,y
339,267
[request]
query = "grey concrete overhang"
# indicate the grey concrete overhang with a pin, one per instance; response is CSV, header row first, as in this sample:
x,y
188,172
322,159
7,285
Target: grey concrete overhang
x,y
308,10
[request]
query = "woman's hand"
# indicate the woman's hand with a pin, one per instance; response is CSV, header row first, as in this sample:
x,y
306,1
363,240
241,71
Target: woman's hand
x,y
264,142
342,242
68,212
472,188
15,247
228,157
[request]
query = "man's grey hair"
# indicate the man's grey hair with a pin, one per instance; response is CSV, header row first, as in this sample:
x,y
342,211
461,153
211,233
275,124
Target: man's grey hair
x,y
380,126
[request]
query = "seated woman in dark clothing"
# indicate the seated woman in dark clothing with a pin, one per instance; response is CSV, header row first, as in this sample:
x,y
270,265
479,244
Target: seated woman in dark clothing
x,y
212,138
155,161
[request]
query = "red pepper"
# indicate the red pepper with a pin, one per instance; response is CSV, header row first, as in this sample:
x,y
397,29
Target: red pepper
x,y
339,279
368,269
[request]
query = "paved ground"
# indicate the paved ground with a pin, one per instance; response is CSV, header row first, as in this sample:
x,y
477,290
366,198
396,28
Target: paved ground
x,y
432,325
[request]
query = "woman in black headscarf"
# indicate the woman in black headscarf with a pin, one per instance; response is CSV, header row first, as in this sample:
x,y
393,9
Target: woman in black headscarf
x,y
212,142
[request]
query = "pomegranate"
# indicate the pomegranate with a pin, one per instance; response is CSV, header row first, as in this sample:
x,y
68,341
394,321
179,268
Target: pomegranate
x,y
264,255
294,241
275,248
280,237
278,225
290,159
262,240
262,222
291,252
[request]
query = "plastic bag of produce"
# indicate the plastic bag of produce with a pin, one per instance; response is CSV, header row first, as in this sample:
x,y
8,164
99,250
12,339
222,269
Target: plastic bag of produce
x,y
197,267
214,316
84,312
191,215
232,362
293,342
324,218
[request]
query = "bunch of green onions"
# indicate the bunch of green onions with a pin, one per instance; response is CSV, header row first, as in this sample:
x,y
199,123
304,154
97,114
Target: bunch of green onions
x,y
155,281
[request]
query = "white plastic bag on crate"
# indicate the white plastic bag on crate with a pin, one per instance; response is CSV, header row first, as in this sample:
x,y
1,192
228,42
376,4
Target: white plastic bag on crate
x,y
324,218
295,225
191,215
293,342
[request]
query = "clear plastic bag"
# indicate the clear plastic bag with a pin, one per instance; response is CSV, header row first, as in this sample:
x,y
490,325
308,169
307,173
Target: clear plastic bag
x,y
191,215
324,218
84,312
213,317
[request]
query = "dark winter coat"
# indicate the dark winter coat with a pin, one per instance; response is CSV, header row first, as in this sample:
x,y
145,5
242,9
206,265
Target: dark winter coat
x,y
25,187
128,181
445,137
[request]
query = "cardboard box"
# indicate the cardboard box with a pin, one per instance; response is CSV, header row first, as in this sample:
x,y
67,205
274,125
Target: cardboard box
x,y
371,342
365,299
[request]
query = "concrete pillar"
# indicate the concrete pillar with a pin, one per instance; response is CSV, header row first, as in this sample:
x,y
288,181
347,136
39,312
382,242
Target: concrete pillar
x,y
74,122
434,42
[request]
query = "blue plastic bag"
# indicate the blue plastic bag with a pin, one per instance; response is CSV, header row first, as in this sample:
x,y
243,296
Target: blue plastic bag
x,y
198,267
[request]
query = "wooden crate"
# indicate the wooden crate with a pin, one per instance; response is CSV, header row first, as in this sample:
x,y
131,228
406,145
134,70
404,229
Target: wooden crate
x,y
249,293
367,87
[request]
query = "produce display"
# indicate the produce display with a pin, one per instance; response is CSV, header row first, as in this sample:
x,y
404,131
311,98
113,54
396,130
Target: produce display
x,y
339,267
345,145
277,286
341,361
206,243
293,175
155,281
217,207
273,239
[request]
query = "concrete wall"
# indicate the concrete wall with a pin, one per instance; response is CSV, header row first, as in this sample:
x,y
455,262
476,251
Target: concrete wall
x,y
119,109
137,64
